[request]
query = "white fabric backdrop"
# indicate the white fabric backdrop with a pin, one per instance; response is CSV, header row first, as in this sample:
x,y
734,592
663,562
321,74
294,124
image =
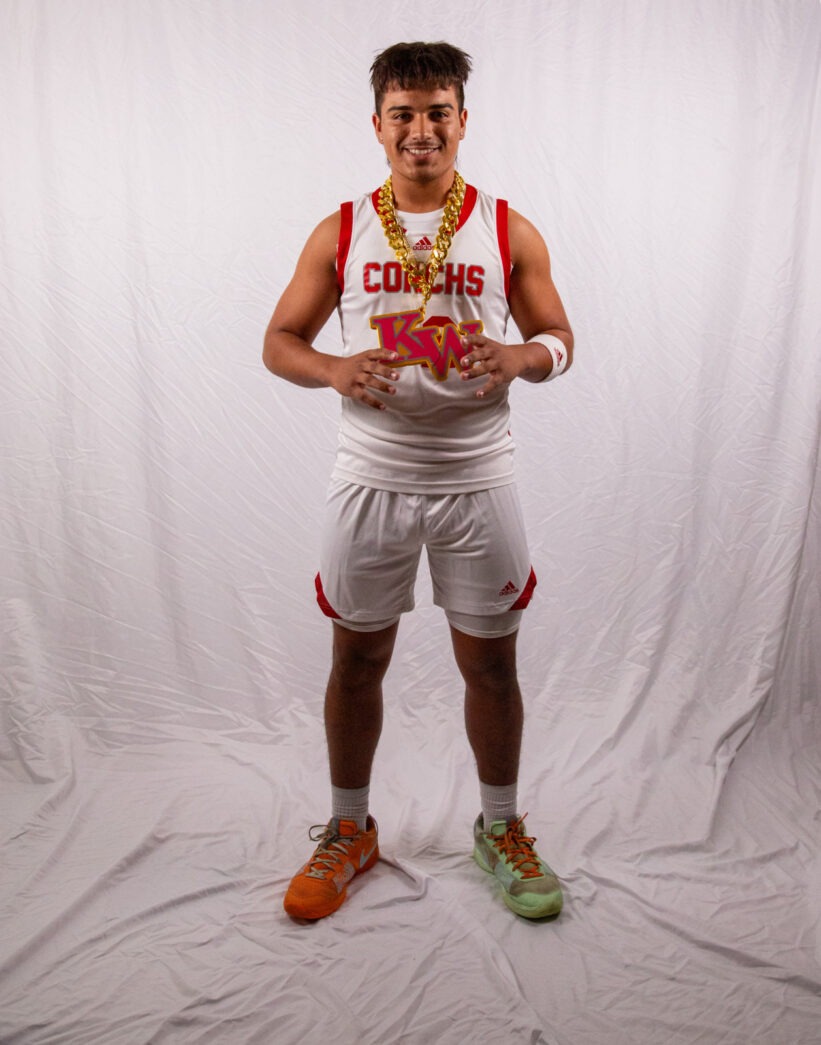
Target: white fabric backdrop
x,y
161,164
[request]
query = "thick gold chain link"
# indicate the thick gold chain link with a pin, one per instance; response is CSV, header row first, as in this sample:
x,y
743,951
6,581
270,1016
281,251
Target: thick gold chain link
x,y
422,277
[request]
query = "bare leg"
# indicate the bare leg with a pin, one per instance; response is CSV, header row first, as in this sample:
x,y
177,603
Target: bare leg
x,y
353,702
493,704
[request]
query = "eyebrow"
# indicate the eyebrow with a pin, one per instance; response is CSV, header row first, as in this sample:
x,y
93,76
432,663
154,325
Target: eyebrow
x,y
409,108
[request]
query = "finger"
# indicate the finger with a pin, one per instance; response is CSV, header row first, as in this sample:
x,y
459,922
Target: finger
x,y
380,378
378,372
377,364
365,396
473,368
372,401
386,373
493,382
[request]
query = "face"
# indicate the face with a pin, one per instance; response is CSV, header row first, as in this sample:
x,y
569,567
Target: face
x,y
420,131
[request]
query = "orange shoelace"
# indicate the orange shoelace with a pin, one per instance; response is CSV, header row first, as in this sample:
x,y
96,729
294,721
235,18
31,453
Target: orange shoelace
x,y
517,849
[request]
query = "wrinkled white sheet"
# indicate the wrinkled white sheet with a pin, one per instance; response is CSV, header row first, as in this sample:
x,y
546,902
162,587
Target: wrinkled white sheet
x,y
163,662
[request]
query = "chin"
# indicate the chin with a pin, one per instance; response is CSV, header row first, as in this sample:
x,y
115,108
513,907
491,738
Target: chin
x,y
426,170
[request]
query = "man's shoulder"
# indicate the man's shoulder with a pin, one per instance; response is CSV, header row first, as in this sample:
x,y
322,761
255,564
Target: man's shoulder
x,y
320,247
524,236
327,231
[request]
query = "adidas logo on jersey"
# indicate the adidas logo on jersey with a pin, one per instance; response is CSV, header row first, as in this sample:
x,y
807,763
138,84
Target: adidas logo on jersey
x,y
509,589
423,244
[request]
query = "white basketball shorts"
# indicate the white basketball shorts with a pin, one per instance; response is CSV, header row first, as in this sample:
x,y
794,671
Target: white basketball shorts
x,y
476,548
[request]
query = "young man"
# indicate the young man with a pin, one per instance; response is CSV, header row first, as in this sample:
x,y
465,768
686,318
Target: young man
x,y
424,273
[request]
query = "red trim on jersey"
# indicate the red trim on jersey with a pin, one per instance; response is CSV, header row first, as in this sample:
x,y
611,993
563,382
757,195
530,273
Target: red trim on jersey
x,y
527,592
324,605
344,244
504,242
468,203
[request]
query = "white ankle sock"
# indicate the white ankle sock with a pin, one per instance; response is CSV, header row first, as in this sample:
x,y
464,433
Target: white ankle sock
x,y
498,803
351,804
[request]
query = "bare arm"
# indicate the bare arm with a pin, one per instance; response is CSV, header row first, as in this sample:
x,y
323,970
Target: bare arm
x,y
302,311
536,309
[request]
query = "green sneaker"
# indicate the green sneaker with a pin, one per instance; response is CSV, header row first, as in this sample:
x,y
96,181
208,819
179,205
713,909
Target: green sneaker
x,y
529,887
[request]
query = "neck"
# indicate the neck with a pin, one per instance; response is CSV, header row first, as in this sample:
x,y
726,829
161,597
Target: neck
x,y
419,197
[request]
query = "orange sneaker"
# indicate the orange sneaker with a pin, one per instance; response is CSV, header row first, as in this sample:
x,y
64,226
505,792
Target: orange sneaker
x,y
319,888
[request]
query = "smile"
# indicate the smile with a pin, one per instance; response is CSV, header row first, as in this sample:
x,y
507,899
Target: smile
x,y
421,150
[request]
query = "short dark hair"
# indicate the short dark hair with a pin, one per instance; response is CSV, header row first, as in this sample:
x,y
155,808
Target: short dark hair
x,y
408,66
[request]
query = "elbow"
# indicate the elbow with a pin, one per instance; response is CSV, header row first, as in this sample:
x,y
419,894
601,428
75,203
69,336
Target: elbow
x,y
269,351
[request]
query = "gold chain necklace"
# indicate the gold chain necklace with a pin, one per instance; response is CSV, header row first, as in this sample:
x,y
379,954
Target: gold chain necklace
x,y
422,277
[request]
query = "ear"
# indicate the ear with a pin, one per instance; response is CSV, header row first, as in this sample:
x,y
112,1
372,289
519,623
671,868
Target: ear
x,y
463,119
377,126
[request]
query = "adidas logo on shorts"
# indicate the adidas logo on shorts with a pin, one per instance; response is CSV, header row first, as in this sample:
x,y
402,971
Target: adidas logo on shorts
x,y
509,589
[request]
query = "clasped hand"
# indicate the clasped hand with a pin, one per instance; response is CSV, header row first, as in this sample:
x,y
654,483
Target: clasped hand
x,y
359,376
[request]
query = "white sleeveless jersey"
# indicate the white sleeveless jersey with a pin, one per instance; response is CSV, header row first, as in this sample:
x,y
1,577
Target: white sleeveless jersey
x,y
435,436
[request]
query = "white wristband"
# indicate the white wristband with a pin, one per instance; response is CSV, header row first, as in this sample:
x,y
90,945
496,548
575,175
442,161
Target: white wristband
x,y
558,353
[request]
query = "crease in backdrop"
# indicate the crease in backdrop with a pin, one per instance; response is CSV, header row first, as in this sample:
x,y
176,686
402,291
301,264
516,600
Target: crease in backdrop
x,y
162,662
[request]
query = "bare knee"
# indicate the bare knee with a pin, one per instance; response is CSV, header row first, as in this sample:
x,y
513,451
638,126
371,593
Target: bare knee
x,y
492,675
487,664
361,658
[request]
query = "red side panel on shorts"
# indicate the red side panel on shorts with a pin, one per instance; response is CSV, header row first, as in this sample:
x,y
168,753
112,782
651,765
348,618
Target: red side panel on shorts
x,y
504,241
527,593
324,605
344,244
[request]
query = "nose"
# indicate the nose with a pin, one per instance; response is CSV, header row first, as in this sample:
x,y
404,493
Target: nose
x,y
421,126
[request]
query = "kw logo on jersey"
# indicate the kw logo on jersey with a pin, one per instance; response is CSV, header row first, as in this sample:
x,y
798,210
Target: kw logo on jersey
x,y
435,344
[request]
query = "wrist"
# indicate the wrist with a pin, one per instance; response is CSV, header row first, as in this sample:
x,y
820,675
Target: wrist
x,y
331,369
556,350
